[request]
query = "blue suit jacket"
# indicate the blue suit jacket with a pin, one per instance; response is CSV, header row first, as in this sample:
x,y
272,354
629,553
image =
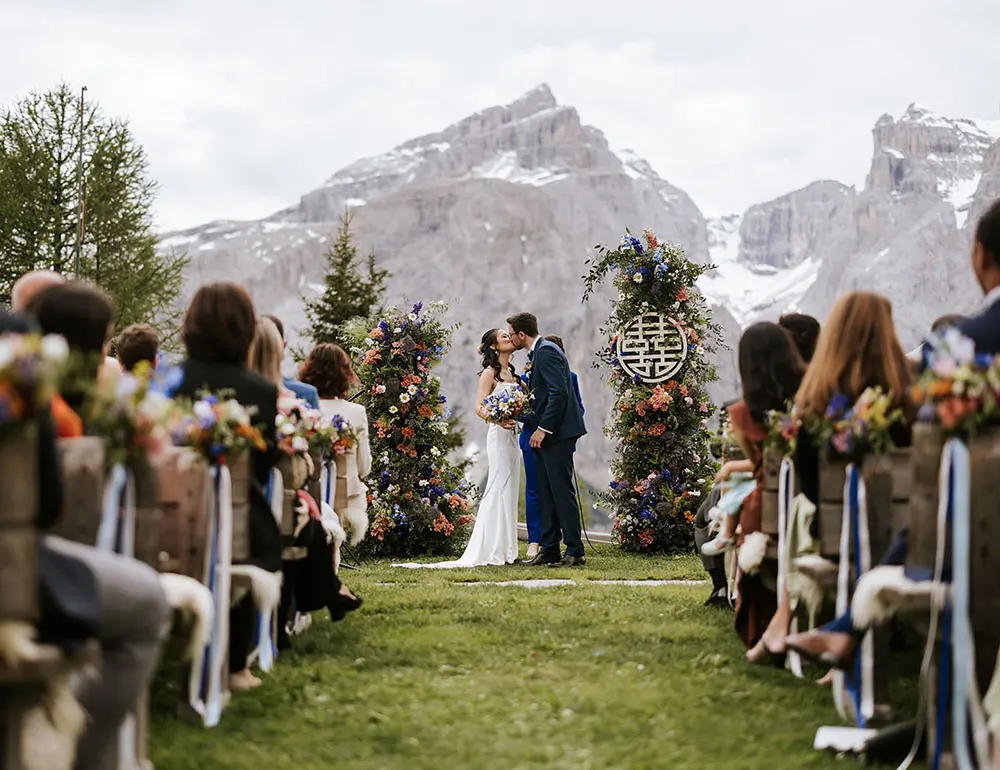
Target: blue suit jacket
x,y
302,391
984,329
525,438
556,404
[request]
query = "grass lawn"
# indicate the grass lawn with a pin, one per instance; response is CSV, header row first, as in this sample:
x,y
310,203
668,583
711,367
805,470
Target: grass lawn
x,y
432,673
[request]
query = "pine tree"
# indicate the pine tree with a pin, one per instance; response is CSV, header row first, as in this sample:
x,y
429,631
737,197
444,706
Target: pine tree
x,y
52,149
352,288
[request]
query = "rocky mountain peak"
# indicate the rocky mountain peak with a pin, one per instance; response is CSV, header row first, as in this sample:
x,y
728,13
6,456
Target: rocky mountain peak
x,y
536,100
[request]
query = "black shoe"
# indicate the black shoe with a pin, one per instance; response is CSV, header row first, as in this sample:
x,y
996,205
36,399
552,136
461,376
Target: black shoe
x,y
341,605
543,558
719,598
569,561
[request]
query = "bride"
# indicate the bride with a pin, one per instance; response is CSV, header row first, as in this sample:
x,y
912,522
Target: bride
x,y
494,536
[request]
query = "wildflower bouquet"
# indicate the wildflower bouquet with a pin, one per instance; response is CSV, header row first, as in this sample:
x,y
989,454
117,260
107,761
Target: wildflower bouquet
x,y
959,390
854,431
217,427
30,368
334,436
782,431
507,404
133,419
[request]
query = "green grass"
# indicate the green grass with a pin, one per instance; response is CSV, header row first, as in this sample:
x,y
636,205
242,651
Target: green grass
x,y
431,673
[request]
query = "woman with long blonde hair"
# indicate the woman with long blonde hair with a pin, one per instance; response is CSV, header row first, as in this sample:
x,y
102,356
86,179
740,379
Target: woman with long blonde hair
x,y
857,349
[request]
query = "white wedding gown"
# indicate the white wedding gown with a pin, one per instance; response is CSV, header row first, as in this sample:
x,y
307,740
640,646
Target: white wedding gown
x,y
494,535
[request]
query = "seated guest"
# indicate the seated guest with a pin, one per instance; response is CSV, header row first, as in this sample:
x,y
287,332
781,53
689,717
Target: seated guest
x,y
857,349
302,390
139,342
313,581
29,284
82,315
770,372
329,369
532,511
89,594
804,330
217,332
834,644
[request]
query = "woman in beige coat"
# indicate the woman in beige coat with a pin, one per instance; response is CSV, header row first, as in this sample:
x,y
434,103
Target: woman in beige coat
x,y
328,368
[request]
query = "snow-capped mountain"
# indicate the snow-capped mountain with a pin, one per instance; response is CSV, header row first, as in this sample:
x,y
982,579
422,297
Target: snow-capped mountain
x,y
497,213
494,214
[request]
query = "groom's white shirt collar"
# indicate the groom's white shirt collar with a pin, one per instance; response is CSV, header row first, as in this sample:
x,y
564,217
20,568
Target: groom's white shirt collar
x,y
534,345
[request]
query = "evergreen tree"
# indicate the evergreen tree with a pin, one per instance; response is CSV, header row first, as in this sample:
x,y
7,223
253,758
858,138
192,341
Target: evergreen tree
x,y
352,288
52,149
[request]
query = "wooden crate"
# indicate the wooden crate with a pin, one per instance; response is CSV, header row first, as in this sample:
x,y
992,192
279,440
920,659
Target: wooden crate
x,y
19,525
928,442
878,473
240,469
769,499
183,487
82,467
294,472
984,552
148,516
288,515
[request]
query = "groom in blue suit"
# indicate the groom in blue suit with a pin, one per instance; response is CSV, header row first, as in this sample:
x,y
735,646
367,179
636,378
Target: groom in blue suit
x,y
532,511
554,426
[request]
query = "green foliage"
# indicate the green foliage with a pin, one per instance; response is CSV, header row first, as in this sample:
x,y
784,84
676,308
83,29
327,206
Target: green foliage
x,y
418,499
47,147
352,288
663,467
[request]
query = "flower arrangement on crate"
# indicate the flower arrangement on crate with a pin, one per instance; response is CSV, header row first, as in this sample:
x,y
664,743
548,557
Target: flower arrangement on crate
x,y
782,431
133,419
958,390
853,431
419,501
334,436
217,426
647,512
507,404
30,368
662,426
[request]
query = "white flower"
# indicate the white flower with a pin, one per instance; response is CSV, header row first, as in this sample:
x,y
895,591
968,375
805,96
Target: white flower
x,y
398,330
699,350
435,452
202,410
380,389
300,444
412,390
962,349
154,406
412,316
688,400
393,410
423,482
637,277
54,348
126,386
6,353
404,398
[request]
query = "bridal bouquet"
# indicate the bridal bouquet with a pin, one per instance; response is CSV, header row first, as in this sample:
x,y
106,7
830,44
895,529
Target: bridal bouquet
x,y
507,404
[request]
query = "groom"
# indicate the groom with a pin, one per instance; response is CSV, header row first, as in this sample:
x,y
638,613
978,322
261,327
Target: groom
x,y
555,423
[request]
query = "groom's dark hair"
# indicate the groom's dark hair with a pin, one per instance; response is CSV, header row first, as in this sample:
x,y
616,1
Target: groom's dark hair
x,y
524,323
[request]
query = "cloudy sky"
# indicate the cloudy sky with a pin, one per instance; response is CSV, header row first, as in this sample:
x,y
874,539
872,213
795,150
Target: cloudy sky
x,y
243,106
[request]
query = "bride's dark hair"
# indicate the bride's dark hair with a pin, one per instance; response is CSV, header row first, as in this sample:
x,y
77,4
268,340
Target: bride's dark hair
x,y
491,355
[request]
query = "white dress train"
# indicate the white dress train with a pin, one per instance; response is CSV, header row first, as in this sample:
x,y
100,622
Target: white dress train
x,y
494,535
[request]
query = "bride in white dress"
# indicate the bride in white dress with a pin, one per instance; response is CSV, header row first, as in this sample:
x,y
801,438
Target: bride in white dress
x,y
494,535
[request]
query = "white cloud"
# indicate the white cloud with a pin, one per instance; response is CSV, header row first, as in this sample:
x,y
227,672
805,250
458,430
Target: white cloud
x,y
243,107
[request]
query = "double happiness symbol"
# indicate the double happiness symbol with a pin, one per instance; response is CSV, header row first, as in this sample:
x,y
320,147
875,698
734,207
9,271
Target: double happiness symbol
x,y
652,348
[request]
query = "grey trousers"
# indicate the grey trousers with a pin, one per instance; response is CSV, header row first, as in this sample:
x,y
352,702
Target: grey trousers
x,y
701,535
134,617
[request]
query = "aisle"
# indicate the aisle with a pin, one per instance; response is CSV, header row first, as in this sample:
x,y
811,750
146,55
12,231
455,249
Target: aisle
x,y
436,673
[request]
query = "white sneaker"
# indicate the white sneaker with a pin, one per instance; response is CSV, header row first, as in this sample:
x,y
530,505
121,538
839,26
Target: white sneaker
x,y
718,546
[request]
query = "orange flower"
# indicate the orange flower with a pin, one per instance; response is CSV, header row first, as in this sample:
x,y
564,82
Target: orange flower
x,y
408,432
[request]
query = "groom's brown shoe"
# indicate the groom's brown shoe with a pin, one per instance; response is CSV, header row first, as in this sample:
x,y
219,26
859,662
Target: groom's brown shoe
x,y
543,558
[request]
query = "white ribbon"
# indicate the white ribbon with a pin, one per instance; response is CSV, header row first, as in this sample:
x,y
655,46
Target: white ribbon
x,y
208,663
863,557
119,492
277,495
786,488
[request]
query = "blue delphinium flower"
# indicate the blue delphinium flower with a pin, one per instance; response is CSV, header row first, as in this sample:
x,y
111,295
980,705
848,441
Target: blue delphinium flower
x,y
838,405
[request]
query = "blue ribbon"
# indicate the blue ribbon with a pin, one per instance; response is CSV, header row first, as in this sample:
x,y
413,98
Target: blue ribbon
x,y
213,551
944,676
329,482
